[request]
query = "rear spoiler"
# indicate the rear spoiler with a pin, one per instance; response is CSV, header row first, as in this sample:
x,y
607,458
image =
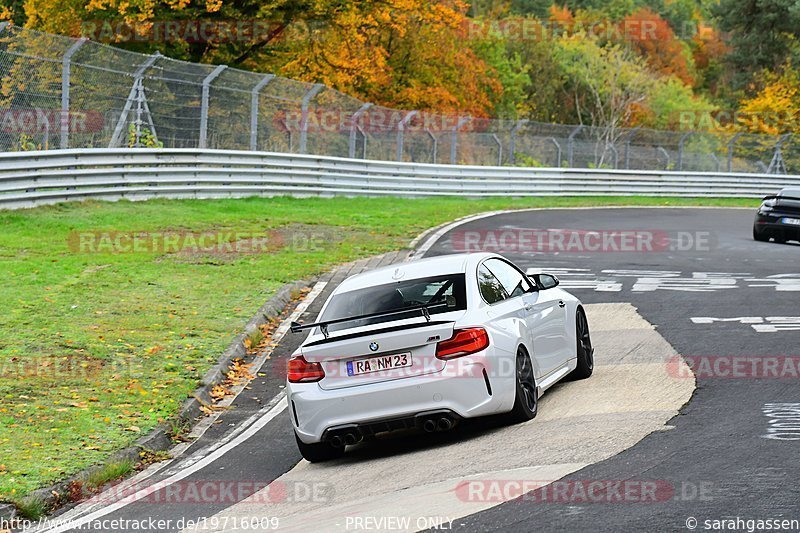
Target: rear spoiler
x,y
779,197
424,309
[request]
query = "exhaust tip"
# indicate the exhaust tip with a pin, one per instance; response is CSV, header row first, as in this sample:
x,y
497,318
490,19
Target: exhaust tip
x,y
350,439
336,441
429,425
444,424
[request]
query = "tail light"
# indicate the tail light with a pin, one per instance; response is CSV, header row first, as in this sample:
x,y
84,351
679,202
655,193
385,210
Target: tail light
x,y
301,371
463,342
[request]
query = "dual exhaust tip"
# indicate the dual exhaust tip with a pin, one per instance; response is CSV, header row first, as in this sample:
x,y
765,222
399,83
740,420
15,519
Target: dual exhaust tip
x,y
441,423
345,438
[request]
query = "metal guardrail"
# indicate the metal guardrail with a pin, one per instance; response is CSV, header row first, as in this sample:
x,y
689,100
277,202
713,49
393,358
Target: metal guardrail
x,y
28,179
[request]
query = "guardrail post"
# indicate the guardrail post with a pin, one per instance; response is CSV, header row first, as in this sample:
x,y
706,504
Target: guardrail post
x,y
571,145
315,89
202,141
512,143
499,150
680,148
254,110
628,140
401,126
730,150
353,124
454,138
66,72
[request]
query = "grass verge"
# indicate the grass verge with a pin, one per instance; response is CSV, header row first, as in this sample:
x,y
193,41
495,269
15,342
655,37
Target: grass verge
x,y
99,345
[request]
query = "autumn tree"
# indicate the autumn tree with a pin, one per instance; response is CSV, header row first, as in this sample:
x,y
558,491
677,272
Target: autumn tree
x,y
606,82
655,40
775,109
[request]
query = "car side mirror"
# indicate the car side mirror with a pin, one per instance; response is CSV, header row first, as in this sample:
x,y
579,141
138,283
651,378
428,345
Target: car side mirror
x,y
544,281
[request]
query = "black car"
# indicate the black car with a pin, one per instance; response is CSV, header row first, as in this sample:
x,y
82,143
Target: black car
x,y
778,217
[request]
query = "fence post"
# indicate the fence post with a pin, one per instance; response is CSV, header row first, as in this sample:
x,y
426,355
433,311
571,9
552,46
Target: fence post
x,y
316,88
66,70
716,161
137,79
364,136
680,148
254,110
666,155
499,150
628,140
571,145
610,146
512,143
435,144
201,143
778,164
401,126
730,150
558,151
353,124
454,138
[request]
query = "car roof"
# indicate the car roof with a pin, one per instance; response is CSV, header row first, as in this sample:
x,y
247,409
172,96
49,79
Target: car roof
x,y
790,191
420,268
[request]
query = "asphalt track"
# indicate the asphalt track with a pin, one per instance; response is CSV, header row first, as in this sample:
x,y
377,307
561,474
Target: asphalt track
x,y
730,452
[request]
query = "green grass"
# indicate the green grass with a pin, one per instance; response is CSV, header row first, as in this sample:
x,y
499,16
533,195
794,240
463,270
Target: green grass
x,y
98,348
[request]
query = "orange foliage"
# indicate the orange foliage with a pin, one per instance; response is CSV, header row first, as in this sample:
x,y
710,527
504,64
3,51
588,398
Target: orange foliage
x,y
653,37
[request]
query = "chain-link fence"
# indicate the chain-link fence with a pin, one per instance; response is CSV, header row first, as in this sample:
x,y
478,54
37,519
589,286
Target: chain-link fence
x,y
58,92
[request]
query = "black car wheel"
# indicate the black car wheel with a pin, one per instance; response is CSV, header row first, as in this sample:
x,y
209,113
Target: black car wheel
x,y
585,351
526,402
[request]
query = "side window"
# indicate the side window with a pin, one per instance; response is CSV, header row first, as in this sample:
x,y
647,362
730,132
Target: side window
x,y
512,279
491,289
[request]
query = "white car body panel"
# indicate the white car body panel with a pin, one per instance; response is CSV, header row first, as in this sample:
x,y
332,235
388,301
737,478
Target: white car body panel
x,y
543,322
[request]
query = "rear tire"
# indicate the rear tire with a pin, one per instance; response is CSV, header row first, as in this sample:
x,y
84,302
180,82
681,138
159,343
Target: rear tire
x,y
319,451
760,235
526,401
585,350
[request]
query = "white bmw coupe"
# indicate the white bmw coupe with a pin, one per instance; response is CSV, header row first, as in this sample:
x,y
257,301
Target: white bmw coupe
x,y
427,343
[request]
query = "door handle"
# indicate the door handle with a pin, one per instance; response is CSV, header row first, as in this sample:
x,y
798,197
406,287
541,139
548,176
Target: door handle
x,y
561,303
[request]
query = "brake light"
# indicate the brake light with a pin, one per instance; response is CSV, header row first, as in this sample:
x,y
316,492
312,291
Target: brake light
x,y
301,371
463,342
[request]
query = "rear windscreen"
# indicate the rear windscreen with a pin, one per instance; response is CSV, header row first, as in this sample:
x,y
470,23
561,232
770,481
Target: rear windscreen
x,y
442,293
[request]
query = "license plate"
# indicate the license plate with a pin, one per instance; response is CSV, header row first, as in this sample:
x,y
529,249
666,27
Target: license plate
x,y
791,221
379,363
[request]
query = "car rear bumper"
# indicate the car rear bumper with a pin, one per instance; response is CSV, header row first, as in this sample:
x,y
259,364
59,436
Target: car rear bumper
x,y
773,225
460,389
